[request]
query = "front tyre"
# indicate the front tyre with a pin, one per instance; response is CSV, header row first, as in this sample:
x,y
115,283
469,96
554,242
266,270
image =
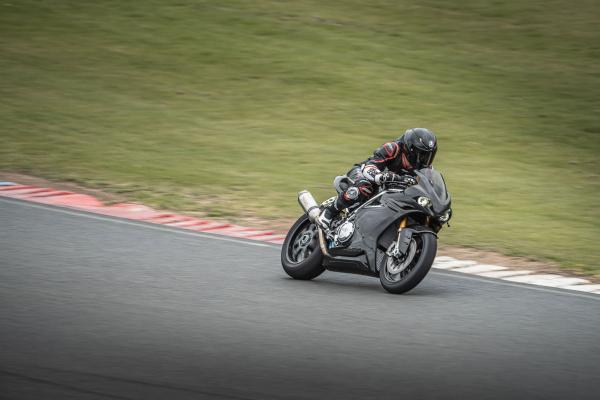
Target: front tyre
x,y
401,275
301,256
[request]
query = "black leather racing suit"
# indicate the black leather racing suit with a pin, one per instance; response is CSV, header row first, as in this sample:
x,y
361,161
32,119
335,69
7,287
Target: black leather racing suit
x,y
365,175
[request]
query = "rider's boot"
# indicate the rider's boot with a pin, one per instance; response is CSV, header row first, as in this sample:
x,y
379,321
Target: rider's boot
x,y
327,215
325,218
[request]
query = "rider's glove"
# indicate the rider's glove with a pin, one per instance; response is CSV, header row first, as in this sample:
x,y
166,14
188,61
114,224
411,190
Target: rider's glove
x,y
407,180
390,177
387,177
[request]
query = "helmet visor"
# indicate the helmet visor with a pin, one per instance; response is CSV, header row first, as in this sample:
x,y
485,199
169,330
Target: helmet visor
x,y
424,158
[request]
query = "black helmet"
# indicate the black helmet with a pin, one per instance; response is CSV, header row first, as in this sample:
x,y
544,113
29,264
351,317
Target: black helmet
x,y
420,146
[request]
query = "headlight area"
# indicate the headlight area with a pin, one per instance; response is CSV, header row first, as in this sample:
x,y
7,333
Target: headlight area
x,y
445,217
424,201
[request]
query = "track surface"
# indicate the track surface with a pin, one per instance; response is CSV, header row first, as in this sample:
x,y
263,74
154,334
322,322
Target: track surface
x,y
100,308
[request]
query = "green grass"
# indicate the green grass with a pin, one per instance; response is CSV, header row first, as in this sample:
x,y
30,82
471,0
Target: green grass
x,y
241,104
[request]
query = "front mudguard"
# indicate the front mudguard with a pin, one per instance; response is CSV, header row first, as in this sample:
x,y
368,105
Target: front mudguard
x,y
386,232
406,235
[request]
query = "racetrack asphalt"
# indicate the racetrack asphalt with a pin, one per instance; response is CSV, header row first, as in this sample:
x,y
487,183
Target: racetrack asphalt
x,y
94,307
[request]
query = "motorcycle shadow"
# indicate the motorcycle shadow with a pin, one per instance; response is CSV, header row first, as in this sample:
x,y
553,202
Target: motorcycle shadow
x,y
342,283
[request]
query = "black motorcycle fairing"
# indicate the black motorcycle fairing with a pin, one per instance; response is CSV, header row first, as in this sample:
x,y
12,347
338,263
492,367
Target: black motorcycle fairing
x,y
378,221
371,222
352,265
431,184
346,251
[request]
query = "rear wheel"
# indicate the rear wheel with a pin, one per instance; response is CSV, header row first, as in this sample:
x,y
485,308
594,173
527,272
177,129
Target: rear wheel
x,y
301,256
401,274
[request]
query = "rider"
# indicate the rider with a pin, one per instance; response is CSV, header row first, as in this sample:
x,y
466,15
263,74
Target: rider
x,y
393,162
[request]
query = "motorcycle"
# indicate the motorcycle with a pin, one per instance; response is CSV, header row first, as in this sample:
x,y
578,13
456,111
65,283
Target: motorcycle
x,y
393,235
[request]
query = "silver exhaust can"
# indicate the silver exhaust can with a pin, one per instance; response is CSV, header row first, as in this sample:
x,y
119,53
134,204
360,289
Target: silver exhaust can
x,y
309,205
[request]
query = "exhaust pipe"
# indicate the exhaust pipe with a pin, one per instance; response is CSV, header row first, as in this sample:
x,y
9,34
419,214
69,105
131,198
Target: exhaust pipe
x,y
311,208
309,205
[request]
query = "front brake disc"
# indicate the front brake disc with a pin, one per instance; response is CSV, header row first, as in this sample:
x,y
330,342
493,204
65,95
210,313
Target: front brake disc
x,y
395,266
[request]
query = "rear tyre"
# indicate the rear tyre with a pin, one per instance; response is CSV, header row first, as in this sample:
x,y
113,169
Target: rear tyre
x,y
400,276
301,255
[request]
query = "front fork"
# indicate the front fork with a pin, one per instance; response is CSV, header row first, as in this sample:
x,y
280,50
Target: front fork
x,y
403,224
404,239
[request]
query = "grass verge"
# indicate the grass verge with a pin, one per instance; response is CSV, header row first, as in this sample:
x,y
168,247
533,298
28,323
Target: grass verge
x,y
235,106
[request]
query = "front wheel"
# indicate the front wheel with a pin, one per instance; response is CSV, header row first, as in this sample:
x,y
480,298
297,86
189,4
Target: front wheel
x,y
301,256
401,274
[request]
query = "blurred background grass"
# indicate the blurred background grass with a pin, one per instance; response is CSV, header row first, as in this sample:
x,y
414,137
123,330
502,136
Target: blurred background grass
x,y
234,106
